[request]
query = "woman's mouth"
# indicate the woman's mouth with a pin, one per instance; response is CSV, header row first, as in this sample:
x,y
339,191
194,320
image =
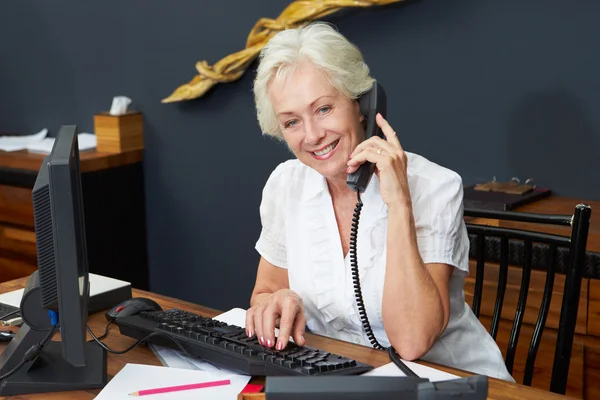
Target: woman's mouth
x,y
326,152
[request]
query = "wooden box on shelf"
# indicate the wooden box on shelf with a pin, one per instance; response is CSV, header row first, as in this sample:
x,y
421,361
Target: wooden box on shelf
x,y
119,133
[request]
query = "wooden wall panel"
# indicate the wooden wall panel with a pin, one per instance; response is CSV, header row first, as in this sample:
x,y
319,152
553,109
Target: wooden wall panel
x,y
18,254
12,269
16,205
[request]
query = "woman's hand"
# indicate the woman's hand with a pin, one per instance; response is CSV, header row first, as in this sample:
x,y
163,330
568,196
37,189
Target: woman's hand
x,y
390,161
285,305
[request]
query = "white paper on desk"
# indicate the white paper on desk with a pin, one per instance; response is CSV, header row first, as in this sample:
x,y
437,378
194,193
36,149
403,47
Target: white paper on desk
x,y
16,143
12,298
134,377
434,375
85,141
176,359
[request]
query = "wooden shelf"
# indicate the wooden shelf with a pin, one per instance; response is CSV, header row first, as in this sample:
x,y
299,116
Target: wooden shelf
x,y
90,160
115,224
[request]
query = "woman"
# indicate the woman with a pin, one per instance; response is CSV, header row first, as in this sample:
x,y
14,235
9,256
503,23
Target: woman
x,y
412,242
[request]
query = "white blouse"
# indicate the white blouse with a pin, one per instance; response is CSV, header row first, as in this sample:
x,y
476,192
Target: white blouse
x,y
300,233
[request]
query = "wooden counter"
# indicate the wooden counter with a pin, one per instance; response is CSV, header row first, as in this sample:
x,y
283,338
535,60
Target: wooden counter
x,y
113,196
90,160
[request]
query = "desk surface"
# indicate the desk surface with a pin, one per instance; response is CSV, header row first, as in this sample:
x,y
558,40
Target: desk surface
x,y
498,390
91,160
561,205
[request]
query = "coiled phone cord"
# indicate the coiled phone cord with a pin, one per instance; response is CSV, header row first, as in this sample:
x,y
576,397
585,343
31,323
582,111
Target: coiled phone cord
x,y
359,298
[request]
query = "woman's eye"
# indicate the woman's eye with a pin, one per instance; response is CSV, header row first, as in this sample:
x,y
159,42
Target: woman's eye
x,y
324,109
291,123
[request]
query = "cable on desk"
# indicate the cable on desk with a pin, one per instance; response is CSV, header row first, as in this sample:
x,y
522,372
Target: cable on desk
x,y
105,347
105,334
32,353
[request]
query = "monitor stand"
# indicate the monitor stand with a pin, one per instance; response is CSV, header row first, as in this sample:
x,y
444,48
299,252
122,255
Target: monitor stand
x,y
48,372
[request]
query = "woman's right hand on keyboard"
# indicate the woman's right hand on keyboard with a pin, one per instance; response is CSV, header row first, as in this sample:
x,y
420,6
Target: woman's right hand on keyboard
x,y
284,305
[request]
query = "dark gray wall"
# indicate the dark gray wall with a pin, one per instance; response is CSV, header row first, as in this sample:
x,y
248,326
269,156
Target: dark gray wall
x,y
484,87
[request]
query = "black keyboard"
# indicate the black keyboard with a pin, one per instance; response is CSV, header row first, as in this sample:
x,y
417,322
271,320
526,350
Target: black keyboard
x,y
7,309
228,346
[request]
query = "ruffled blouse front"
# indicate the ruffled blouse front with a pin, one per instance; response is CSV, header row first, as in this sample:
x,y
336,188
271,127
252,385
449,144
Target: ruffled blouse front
x,y
300,233
317,268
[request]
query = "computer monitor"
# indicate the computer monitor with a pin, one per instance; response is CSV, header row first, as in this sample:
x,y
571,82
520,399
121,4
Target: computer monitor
x,y
56,295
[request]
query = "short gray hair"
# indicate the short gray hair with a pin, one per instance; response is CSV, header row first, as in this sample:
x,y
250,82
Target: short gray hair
x,y
323,46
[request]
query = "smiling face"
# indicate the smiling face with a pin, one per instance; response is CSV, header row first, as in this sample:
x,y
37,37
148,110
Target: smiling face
x,y
320,125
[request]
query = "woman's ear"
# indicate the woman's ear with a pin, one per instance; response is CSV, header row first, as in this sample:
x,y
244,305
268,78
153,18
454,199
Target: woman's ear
x,y
361,117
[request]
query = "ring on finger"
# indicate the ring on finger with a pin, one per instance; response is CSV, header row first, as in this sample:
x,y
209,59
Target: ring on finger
x,y
379,151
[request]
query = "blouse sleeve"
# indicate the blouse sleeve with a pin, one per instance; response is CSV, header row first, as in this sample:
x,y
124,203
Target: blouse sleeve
x,y
271,242
441,232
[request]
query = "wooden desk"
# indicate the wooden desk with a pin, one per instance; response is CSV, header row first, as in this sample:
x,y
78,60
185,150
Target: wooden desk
x,y
498,390
113,197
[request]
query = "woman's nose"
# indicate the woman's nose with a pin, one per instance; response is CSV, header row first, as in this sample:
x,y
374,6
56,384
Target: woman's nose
x,y
314,133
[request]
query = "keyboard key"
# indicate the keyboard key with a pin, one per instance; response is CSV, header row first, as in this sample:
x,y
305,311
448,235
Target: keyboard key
x,y
309,370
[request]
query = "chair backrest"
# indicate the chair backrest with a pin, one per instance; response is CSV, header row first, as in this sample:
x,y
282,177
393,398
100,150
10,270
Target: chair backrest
x,y
575,244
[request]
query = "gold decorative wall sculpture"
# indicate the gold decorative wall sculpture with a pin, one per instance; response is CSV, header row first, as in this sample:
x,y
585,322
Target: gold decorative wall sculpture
x,y
298,14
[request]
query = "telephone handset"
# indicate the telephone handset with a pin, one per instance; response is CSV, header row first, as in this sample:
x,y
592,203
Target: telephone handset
x,y
371,103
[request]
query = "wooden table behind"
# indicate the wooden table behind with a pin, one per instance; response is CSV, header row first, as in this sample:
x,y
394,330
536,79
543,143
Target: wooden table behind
x,y
498,390
583,379
114,204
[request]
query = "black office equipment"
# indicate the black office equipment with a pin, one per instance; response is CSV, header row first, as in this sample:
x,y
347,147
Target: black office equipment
x,y
6,336
475,199
371,103
132,307
374,388
56,295
6,309
230,347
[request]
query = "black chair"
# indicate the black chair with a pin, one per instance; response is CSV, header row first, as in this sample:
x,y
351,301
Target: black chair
x,y
484,238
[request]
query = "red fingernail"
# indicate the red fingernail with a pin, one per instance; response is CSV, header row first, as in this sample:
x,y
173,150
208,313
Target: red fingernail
x,y
262,340
279,346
